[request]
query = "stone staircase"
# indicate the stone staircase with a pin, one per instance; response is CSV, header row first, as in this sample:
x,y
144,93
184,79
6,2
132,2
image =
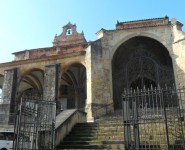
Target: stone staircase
x,y
105,133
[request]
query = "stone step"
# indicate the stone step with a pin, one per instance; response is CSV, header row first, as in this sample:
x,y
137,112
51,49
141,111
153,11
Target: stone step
x,y
97,135
98,124
97,129
88,138
93,142
110,118
105,133
61,147
104,124
83,149
95,132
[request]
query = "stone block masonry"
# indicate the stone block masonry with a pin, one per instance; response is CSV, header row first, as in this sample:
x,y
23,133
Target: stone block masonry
x,y
51,82
9,94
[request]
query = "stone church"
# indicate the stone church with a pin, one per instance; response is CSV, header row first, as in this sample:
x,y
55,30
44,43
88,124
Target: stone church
x,y
90,75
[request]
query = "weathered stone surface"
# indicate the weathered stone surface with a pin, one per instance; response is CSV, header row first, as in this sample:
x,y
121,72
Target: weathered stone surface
x,y
9,92
51,82
69,36
97,56
179,55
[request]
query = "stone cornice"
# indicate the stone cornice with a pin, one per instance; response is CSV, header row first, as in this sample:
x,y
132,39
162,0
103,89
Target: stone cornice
x,y
148,27
49,58
143,23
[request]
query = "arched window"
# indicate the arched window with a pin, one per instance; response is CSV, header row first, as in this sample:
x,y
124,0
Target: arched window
x,y
69,32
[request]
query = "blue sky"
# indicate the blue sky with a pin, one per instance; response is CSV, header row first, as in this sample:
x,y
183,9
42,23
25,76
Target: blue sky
x,y
27,24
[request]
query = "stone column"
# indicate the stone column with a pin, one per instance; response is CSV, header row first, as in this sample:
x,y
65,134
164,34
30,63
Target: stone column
x,y
51,82
88,105
9,92
178,53
99,87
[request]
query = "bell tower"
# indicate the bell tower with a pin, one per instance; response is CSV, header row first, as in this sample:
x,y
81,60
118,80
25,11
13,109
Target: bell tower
x,y
69,36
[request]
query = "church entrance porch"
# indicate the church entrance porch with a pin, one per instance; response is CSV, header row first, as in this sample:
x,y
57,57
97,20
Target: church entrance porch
x,y
140,62
73,87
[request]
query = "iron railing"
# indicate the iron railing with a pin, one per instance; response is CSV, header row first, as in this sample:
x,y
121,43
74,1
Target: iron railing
x,y
35,125
154,118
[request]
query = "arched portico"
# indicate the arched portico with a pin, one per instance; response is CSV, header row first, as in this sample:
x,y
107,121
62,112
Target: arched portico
x,y
73,87
140,61
31,83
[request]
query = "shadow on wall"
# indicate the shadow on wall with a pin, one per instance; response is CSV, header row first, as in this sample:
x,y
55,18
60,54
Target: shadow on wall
x,y
138,62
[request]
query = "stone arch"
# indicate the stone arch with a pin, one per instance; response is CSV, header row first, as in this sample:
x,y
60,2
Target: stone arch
x,y
140,60
25,72
145,34
67,66
73,86
31,82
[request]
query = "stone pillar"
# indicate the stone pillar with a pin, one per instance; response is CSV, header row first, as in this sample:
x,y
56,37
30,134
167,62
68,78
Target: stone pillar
x,y
99,87
179,56
88,106
178,53
9,92
51,82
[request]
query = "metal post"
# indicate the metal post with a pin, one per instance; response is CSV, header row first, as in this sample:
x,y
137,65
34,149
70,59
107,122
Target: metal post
x,y
135,121
17,127
165,115
126,122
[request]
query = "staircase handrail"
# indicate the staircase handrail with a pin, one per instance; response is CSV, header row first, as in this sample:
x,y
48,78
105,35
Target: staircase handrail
x,y
65,123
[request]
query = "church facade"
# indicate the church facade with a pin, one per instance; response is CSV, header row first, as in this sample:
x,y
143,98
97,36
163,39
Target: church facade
x,y
91,75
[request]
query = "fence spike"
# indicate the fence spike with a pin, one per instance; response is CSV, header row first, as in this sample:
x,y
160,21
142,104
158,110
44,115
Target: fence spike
x,y
131,90
151,87
137,88
148,89
144,88
166,87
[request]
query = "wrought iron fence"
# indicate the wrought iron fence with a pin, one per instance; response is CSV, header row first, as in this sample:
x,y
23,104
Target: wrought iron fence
x,y
35,124
154,118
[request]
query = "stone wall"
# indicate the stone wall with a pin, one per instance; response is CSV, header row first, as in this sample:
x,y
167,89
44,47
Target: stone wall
x,y
179,53
51,82
103,50
25,66
9,91
100,79
97,58
46,52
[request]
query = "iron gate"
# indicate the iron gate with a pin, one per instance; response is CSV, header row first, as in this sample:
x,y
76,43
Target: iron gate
x,y
35,125
154,119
